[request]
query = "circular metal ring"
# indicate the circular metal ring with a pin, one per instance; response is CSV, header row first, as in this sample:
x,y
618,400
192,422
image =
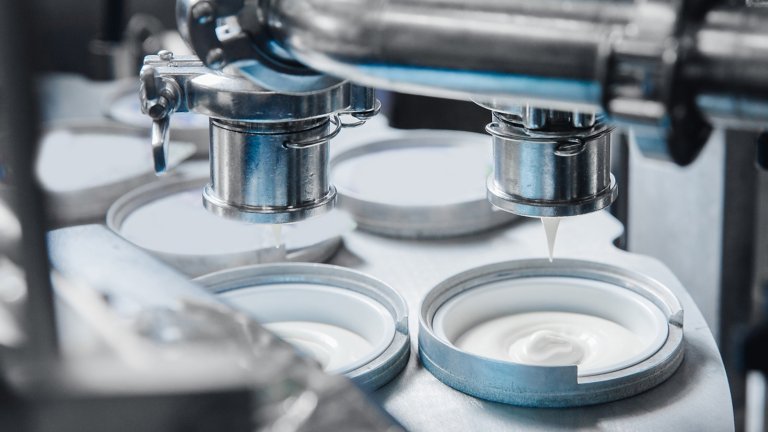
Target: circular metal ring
x,y
270,214
337,127
385,364
497,130
547,386
532,208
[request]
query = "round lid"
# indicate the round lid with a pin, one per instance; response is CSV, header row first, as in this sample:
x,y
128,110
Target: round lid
x,y
351,323
85,168
168,219
559,334
418,184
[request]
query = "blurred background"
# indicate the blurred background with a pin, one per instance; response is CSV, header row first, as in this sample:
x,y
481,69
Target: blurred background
x,y
708,222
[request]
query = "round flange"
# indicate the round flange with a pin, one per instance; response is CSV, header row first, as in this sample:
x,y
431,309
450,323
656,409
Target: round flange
x,y
537,385
271,214
560,172
238,99
535,208
322,295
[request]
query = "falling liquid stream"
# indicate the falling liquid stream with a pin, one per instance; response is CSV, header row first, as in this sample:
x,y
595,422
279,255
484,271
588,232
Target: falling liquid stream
x,y
277,232
550,229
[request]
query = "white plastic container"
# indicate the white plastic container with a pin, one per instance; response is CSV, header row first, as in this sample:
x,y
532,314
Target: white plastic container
x,y
349,322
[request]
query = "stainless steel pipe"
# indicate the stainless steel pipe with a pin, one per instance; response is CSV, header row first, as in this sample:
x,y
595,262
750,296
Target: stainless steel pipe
x,y
552,171
269,172
548,53
535,50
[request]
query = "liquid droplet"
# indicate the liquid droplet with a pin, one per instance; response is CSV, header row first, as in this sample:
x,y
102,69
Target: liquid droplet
x,y
277,232
550,229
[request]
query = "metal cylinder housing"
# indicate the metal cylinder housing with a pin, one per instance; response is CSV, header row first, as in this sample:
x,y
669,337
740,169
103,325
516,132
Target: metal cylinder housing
x,y
553,171
269,172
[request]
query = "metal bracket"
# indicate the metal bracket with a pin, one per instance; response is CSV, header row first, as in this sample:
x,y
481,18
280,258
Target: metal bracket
x,y
230,32
162,79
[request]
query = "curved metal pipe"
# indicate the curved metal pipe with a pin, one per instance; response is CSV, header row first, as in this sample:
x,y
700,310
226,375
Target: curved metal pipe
x,y
547,51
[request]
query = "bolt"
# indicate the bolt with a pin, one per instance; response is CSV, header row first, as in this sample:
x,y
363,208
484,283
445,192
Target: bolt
x,y
203,12
159,109
215,58
165,55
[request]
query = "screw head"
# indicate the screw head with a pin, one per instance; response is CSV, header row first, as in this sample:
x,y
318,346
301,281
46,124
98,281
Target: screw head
x,y
156,111
203,12
165,55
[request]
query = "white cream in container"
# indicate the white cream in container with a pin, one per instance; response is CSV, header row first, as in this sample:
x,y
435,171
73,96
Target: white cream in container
x,y
535,333
555,321
339,328
351,323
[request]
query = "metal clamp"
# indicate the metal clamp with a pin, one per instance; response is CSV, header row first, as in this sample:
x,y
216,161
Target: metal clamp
x,y
494,129
499,130
160,98
570,148
338,125
365,115
220,35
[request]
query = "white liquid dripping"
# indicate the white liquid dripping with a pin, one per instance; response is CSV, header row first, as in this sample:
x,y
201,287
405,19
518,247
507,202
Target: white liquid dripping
x,y
277,232
550,229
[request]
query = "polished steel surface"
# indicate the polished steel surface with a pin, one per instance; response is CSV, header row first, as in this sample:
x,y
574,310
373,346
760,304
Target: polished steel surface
x,y
123,107
731,57
464,50
370,376
695,398
161,93
194,176
238,99
258,176
268,149
645,63
550,170
547,386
